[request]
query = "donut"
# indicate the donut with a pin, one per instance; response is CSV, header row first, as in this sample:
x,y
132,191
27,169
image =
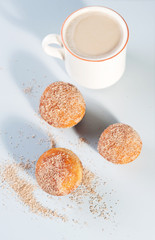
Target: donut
x,y
119,143
59,171
62,105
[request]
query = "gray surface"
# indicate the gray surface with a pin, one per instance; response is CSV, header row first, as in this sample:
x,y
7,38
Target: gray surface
x,y
23,24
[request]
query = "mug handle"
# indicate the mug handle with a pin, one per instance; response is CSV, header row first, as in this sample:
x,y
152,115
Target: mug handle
x,y
53,51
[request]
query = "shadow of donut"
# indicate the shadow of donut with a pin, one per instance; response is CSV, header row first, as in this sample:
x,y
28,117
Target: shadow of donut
x,y
24,141
96,119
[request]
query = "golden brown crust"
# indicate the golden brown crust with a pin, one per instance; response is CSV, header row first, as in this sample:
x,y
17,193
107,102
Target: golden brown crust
x,y
59,171
62,105
119,143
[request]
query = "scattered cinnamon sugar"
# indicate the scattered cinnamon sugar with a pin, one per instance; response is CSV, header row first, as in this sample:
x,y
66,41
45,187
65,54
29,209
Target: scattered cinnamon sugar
x,y
52,141
25,189
25,192
28,90
83,140
96,201
27,165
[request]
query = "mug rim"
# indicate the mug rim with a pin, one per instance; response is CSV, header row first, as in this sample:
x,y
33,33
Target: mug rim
x,y
94,60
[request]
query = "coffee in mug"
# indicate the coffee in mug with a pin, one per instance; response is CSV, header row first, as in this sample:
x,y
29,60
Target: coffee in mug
x,y
93,44
93,35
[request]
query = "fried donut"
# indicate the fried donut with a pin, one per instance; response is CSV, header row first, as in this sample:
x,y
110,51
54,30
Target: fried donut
x,y
119,143
62,105
59,171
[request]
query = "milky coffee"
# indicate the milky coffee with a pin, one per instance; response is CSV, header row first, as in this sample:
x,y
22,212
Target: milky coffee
x,y
93,35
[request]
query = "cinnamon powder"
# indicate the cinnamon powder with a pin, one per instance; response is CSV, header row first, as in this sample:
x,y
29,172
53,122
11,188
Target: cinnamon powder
x,y
24,189
25,192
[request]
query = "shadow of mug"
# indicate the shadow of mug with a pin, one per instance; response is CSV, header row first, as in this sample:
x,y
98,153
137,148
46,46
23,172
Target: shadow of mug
x,y
41,17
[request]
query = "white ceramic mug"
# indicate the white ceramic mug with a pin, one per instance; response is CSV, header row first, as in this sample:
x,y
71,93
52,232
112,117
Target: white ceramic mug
x,y
89,73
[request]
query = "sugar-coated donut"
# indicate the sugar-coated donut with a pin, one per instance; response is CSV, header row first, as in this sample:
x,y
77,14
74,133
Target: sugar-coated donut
x,y
59,171
120,143
62,105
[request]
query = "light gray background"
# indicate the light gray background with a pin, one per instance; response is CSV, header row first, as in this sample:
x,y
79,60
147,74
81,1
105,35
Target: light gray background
x,y
23,24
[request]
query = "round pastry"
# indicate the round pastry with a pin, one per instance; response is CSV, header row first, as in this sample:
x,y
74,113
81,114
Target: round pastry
x,y
62,105
119,143
59,171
